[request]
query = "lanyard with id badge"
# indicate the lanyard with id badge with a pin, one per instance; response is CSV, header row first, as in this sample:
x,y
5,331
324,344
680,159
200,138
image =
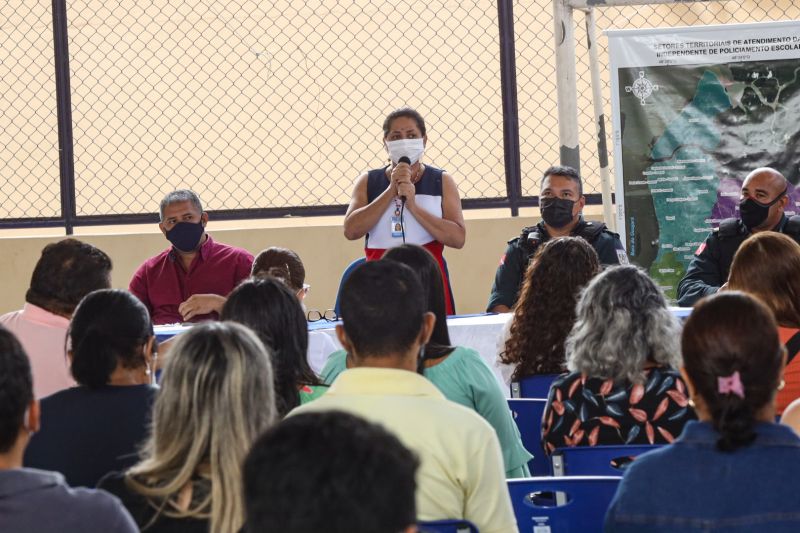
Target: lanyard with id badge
x,y
398,225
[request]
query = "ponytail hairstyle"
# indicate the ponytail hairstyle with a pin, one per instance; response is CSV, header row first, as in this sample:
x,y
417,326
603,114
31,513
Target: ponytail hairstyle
x,y
280,263
269,308
731,339
430,275
109,328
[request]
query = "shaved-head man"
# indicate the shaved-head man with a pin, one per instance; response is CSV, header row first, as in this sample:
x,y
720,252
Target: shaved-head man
x,y
761,208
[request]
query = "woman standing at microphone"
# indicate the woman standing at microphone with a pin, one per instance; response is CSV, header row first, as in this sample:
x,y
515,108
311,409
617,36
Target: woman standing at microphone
x,y
406,202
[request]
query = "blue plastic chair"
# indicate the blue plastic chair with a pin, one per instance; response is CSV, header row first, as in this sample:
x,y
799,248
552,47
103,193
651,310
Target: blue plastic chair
x,y
527,413
564,504
596,460
346,274
447,526
533,386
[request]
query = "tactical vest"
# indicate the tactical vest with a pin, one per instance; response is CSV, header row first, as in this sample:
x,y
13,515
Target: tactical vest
x,y
533,236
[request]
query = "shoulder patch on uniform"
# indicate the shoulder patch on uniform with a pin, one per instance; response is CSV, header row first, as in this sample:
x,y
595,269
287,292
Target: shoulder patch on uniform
x,y
700,248
503,260
622,257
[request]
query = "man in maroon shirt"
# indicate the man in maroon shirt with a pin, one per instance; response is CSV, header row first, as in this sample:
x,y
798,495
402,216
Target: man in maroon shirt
x,y
190,280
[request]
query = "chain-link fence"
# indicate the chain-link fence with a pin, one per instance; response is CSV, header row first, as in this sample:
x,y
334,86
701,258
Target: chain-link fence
x,y
28,128
268,107
259,105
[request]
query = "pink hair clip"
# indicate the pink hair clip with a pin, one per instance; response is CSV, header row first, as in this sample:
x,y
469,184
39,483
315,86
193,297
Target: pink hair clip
x,y
731,385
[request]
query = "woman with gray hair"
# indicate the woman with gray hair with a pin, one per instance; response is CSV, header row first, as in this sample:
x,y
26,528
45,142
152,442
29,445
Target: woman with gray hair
x,y
623,355
216,398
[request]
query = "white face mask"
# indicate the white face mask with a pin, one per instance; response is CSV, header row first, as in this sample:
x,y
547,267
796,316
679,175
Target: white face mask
x,y
411,148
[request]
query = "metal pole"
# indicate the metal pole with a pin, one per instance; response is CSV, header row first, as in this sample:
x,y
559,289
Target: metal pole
x,y
599,119
508,84
64,110
566,87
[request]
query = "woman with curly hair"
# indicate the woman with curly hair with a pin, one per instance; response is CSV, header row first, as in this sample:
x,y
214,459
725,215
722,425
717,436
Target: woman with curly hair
x,y
546,309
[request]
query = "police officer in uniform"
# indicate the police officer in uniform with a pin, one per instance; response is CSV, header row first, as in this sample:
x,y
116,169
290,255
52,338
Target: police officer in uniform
x,y
560,202
761,208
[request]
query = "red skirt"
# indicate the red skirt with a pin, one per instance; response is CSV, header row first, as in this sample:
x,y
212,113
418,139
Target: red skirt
x,y
435,248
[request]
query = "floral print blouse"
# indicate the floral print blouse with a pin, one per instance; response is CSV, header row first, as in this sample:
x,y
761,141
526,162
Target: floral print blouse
x,y
583,411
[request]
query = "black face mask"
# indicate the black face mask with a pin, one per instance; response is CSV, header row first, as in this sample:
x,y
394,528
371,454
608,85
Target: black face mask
x,y
556,212
754,213
185,236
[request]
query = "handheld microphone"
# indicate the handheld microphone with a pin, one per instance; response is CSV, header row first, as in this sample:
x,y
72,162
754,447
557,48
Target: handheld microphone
x,y
407,161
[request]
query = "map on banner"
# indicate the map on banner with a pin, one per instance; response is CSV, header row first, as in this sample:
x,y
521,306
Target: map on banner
x,y
697,113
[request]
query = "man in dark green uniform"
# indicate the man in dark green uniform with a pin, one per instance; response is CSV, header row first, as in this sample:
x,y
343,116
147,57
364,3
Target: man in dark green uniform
x,y
761,208
560,202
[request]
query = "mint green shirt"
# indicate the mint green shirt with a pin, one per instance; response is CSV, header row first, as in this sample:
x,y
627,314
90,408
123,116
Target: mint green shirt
x,y
465,378
311,392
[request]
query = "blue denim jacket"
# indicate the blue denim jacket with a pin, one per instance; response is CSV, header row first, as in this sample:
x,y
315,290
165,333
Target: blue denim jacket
x,y
690,486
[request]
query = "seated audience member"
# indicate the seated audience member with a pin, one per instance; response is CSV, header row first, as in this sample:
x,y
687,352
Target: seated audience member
x,y
545,312
734,470
622,355
97,427
458,372
35,500
271,310
778,286
216,398
386,326
285,264
188,282
67,271
300,477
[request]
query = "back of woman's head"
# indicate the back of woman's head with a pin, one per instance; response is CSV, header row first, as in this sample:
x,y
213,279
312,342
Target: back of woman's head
x,y
778,285
622,323
545,312
274,313
109,327
427,269
280,263
216,398
733,357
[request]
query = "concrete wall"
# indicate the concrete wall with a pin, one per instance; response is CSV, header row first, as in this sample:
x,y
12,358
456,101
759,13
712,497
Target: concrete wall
x,y
319,242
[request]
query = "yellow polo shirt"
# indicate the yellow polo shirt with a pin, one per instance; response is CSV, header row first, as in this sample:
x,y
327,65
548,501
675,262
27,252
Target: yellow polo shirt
x,y
461,472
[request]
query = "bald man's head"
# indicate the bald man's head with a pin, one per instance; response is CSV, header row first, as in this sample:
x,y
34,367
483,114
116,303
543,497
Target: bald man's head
x,y
763,199
768,177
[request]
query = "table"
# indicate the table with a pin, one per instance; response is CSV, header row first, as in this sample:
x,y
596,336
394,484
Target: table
x,y
479,332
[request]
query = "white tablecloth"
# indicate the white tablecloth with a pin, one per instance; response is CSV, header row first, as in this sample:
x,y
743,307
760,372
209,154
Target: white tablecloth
x,y
477,332
480,332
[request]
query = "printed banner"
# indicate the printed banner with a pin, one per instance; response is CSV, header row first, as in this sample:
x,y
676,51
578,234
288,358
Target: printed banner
x,y
695,110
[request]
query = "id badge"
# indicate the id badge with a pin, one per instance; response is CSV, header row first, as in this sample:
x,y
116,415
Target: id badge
x,y
397,227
